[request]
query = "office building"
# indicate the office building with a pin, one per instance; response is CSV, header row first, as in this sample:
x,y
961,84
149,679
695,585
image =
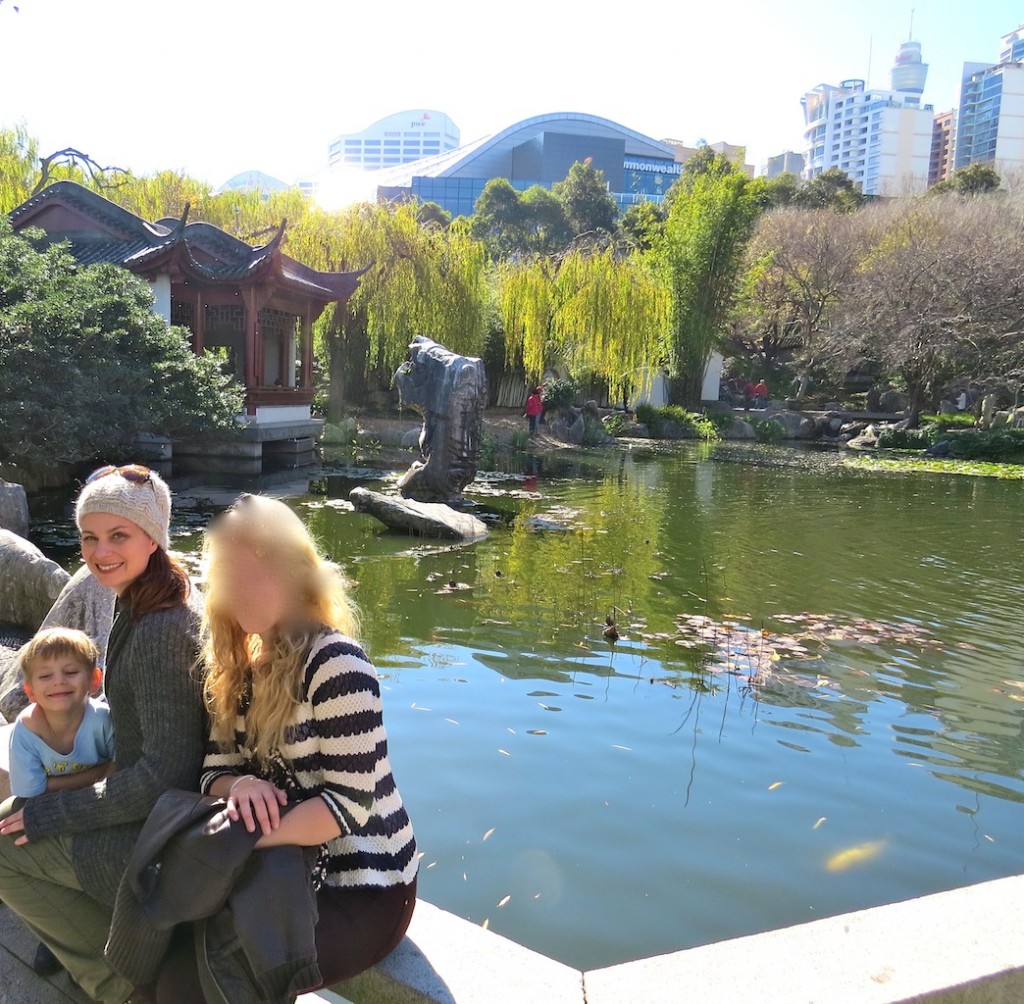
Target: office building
x,y
788,162
398,139
881,139
540,151
990,123
736,155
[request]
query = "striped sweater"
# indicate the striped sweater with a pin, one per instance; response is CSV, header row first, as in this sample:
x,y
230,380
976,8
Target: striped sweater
x,y
336,748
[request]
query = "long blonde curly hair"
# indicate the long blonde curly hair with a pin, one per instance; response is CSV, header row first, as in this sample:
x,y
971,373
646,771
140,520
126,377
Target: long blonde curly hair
x,y
274,665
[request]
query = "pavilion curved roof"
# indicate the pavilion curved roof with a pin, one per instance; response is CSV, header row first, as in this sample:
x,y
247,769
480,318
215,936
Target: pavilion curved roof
x,y
198,250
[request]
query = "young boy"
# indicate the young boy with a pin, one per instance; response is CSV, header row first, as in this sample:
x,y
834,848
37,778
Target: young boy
x,y
64,739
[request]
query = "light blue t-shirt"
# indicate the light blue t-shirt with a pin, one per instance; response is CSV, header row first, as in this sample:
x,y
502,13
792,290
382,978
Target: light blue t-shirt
x,y
32,761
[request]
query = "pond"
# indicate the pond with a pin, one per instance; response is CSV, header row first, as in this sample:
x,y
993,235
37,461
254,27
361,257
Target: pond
x,y
814,705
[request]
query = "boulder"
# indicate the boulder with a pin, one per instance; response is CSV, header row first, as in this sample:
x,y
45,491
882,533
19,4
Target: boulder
x,y
1017,418
428,519
947,408
339,433
741,429
893,401
13,508
85,605
29,582
989,406
796,426
411,439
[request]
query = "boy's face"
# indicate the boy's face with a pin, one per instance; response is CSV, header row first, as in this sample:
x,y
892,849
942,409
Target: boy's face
x,y
59,683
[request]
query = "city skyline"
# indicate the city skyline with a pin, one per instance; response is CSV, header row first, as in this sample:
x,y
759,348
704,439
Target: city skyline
x,y
220,89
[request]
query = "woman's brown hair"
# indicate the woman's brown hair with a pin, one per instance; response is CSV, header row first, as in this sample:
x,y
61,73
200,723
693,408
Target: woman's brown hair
x,y
162,586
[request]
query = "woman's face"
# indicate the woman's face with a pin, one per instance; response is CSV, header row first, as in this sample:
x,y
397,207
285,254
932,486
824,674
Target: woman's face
x,y
252,591
115,549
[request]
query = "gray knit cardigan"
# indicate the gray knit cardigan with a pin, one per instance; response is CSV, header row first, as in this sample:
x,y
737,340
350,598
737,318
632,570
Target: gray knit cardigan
x,y
155,696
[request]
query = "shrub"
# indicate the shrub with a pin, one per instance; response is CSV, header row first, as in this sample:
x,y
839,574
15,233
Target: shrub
x,y
656,419
767,430
904,439
560,395
614,424
1006,445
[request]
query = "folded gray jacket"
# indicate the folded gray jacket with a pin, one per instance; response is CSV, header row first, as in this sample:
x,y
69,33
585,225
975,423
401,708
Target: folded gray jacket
x,y
256,911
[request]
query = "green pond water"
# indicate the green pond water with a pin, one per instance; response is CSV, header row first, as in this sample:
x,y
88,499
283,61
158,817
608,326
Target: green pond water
x,y
814,706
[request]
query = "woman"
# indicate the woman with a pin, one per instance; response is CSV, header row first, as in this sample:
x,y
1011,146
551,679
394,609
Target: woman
x,y
64,853
295,716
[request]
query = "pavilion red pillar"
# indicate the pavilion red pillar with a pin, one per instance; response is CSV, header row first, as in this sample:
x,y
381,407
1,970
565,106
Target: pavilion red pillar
x,y
307,351
252,361
198,324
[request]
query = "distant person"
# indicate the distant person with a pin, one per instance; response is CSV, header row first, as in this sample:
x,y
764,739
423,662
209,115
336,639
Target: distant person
x,y
760,394
748,395
64,739
534,408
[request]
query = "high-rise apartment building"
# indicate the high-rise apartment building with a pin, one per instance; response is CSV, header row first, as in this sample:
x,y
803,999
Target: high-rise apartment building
x,y
398,139
990,123
881,139
940,167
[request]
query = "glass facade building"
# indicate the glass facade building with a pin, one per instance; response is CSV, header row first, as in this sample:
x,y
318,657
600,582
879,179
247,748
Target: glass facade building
x,y
990,121
540,151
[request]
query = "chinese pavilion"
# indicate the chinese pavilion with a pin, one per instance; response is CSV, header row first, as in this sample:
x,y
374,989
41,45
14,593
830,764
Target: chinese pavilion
x,y
255,305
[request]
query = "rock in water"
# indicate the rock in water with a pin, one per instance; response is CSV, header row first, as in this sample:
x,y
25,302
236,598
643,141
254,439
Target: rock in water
x,y
450,392
428,519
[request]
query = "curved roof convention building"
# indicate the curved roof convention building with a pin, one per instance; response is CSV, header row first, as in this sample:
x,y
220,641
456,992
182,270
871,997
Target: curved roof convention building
x,y
539,151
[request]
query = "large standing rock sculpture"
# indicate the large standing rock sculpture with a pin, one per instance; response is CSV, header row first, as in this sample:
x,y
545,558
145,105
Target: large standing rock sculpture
x,y
450,392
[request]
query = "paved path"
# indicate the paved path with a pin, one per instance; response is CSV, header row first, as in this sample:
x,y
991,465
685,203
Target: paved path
x,y
18,984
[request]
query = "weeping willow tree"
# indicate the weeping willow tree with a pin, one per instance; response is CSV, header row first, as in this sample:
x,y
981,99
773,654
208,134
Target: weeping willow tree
x,y
419,280
699,259
597,312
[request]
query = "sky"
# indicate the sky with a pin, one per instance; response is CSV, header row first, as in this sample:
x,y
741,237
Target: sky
x,y
217,87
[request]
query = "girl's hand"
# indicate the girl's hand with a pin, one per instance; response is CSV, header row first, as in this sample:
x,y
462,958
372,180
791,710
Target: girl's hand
x,y
256,802
15,823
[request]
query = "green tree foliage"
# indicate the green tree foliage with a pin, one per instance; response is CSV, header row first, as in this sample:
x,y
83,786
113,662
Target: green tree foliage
x,y
642,225
975,179
499,220
19,154
832,189
85,364
589,208
699,260
547,230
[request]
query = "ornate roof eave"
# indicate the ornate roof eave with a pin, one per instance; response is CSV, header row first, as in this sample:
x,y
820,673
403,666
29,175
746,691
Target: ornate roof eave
x,y
90,204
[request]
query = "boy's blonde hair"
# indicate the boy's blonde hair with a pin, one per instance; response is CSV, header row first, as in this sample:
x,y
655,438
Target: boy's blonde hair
x,y
277,537
51,643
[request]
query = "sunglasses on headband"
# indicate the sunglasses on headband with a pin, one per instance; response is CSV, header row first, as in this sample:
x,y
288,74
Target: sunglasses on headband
x,y
135,473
